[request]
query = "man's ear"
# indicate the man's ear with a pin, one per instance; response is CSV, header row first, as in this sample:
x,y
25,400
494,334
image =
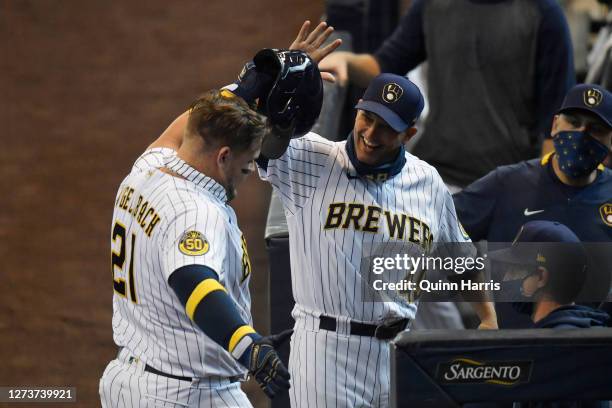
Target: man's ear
x,y
408,134
543,276
223,155
555,124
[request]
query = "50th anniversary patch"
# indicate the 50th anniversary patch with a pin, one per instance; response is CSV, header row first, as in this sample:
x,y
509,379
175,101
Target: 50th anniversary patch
x,y
468,371
193,243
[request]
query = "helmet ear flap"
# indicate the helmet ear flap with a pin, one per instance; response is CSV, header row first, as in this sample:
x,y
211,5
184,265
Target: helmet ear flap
x,y
267,61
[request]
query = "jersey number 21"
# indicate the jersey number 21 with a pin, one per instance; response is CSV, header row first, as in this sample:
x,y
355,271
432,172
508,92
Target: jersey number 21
x,y
118,261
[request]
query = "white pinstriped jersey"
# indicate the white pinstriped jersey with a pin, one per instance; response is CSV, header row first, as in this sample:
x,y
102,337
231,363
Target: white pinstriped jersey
x,y
191,224
312,177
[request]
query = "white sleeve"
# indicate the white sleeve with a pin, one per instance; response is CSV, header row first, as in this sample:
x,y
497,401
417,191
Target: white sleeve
x,y
152,159
196,235
296,173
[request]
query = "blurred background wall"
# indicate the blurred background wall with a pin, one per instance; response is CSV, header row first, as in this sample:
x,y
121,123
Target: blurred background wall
x,y
85,86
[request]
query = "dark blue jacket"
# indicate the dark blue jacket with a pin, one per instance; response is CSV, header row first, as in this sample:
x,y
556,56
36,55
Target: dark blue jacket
x,y
570,317
573,317
496,206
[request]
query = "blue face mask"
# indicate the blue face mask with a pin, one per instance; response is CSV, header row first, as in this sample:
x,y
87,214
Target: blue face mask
x,y
578,153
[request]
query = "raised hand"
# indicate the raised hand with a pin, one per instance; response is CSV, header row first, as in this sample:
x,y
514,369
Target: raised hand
x,y
310,42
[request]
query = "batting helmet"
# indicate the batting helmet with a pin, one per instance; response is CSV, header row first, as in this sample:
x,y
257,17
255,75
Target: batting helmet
x,y
296,95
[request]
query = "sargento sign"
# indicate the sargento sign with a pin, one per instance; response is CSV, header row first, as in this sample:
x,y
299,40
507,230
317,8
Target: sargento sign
x,y
467,371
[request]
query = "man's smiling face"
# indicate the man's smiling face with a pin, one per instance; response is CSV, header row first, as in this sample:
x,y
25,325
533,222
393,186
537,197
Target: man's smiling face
x,y
376,143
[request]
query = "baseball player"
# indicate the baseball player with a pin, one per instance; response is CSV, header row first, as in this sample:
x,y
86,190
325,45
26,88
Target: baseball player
x,y
181,270
341,198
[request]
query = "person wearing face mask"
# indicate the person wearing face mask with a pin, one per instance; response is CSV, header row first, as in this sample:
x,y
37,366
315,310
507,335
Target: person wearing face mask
x,y
545,270
569,185
547,266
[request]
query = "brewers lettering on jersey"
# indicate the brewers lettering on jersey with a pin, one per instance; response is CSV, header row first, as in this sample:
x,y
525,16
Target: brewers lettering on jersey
x,y
341,199
181,270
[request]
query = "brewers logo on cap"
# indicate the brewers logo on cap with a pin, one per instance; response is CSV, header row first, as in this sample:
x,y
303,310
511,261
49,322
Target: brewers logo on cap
x,y
592,97
606,214
392,92
193,243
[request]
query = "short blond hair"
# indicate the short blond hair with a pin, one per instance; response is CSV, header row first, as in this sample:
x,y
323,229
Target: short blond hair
x,y
223,119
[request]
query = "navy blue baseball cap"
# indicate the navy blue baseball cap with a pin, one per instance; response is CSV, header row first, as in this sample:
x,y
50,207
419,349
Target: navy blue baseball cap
x,y
544,243
395,99
592,98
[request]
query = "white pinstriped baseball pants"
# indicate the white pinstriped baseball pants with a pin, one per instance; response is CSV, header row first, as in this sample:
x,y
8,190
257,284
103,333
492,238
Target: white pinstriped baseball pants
x,y
125,384
335,369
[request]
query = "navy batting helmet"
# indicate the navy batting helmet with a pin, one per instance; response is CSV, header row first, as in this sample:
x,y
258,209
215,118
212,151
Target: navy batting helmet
x,y
296,95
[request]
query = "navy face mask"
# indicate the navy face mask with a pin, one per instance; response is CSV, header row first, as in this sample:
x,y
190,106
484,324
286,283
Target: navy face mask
x,y
520,302
527,303
578,153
